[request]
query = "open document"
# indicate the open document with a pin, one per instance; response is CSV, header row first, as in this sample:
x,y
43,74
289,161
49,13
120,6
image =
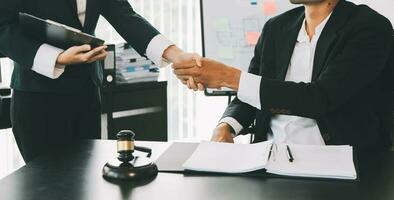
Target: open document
x,y
335,162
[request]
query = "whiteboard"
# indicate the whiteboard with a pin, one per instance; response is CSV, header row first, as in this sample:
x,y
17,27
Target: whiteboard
x,y
231,28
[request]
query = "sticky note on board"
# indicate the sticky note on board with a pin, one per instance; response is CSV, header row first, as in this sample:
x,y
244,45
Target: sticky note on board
x,y
252,38
226,52
222,24
269,7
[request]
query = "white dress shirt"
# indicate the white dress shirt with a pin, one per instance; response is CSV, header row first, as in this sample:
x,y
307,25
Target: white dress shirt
x,y
45,60
286,128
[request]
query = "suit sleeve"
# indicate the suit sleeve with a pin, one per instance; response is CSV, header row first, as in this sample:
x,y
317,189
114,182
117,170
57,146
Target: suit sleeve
x,y
131,26
13,43
240,111
359,63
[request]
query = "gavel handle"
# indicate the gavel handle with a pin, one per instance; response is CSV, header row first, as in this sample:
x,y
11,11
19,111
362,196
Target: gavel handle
x,y
144,149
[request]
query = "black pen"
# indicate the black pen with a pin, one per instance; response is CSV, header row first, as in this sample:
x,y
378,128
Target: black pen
x,y
269,155
289,155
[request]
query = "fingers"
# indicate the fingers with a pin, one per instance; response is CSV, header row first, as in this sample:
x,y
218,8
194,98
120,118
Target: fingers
x,y
185,72
188,60
191,84
200,87
183,79
184,64
198,59
81,49
101,56
81,54
94,52
186,69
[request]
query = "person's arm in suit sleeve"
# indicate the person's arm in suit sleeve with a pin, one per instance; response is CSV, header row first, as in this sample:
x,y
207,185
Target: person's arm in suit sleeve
x,y
242,110
138,32
13,43
28,52
360,62
145,39
249,94
45,61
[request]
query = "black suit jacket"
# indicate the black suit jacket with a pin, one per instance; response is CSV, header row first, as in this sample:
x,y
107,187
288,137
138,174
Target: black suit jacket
x,y
77,78
345,91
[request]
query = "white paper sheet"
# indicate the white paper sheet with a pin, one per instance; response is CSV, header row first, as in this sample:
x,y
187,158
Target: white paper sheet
x,y
228,158
314,161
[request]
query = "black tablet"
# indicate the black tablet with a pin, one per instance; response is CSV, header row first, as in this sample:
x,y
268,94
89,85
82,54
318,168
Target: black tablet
x,y
54,33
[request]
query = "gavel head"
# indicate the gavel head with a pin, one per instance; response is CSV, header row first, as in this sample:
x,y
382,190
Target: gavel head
x,y
125,145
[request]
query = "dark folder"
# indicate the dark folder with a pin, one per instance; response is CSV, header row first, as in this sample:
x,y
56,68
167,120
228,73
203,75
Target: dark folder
x,y
55,34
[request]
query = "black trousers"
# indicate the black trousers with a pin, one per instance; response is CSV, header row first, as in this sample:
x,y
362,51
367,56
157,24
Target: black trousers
x,y
43,122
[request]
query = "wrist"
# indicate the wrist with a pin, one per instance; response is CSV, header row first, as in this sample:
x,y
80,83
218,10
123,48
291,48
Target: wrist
x,y
172,54
231,78
60,60
225,127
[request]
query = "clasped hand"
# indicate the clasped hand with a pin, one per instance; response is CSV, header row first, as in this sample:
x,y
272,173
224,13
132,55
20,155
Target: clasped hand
x,y
195,70
209,73
81,54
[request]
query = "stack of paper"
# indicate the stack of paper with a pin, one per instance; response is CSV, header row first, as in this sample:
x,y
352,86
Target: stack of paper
x,y
132,67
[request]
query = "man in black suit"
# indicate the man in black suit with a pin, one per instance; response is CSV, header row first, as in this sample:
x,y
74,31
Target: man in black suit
x,y
56,91
315,77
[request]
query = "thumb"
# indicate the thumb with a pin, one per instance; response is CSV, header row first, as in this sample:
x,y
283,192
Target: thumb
x,y
198,59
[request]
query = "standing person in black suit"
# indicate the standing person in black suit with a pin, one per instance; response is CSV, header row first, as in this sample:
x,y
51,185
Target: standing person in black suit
x,y
315,77
56,92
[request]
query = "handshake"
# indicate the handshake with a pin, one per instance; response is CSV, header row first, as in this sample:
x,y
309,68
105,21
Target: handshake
x,y
198,73
193,70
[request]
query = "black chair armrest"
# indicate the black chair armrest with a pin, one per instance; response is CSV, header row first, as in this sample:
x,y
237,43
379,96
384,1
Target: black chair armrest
x,y
5,105
5,91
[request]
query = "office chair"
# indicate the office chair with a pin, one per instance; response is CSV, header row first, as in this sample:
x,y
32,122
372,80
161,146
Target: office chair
x,y
5,102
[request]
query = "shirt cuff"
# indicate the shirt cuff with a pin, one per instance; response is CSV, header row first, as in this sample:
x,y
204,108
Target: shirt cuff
x,y
45,61
233,123
156,48
249,89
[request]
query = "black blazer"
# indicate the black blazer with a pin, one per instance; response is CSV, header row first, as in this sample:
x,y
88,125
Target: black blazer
x,y
345,91
77,78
